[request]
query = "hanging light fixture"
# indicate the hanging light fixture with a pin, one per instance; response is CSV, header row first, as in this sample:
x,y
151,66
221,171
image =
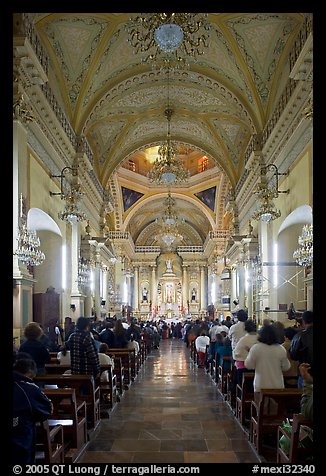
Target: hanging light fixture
x,y
267,210
168,40
28,242
304,254
168,169
72,195
169,222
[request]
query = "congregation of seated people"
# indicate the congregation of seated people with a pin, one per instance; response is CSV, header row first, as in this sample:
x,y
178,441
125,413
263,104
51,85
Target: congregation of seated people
x,y
233,350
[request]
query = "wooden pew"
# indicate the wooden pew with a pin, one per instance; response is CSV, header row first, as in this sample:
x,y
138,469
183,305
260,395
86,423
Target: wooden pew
x,y
274,407
86,390
49,444
244,397
296,455
230,388
71,415
223,371
119,372
127,362
108,390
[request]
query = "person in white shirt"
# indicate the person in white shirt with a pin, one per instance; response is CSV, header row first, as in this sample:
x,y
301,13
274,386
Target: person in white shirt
x,y
133,344
201,342
105,360
237,330
64,356
269,360
243,346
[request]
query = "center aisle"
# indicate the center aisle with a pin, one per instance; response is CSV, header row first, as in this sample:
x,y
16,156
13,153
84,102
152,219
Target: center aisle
x,y
172,413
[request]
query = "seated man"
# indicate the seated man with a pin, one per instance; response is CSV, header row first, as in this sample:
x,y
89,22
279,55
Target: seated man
x,y
30,405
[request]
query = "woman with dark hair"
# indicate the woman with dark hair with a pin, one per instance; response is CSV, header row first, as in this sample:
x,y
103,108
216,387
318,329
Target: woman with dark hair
x,y
120,335
269,360
34,347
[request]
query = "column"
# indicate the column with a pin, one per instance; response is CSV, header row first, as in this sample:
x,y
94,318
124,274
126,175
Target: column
x,y
136,290
185,296
249,287
153,287
203,289
23,281
77,297
242,284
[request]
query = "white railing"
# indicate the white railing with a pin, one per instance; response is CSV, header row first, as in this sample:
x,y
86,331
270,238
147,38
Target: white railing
x,y
190,249
119,235
147,249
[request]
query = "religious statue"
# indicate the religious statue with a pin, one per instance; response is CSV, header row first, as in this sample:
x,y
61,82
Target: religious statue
x,y
193,294
168,263
145,292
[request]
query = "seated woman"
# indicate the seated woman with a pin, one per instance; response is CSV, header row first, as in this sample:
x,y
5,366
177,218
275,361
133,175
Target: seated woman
x,y
133,344
64,355
34,347
224,349
105,360
243,346
269,360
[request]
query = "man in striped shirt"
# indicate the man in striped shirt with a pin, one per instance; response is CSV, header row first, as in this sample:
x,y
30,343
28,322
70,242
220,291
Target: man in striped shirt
x,y
83,353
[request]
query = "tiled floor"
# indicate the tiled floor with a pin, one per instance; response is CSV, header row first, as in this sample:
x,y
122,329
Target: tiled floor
x,y
172,413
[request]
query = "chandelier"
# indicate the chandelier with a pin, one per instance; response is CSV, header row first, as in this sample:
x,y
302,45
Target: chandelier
x,y
167,167
304,254
169,222
267,210
27,249
72,195
71,212
169,39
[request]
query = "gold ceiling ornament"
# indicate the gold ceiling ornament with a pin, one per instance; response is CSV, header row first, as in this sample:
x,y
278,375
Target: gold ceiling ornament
x,y
72,195
169,40
267,210
304,254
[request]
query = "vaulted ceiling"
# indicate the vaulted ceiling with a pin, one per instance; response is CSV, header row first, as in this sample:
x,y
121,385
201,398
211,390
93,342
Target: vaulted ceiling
x,y
118,101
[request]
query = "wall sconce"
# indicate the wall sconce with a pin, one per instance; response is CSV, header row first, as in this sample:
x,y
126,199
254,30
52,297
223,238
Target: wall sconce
x,y
267,210
71,212
73,307
62,176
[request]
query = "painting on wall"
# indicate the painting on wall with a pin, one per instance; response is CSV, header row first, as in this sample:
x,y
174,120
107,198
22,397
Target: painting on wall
x,y
207,197
129,197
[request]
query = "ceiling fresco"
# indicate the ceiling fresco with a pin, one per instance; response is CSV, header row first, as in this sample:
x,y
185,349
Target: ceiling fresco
x,y
118,102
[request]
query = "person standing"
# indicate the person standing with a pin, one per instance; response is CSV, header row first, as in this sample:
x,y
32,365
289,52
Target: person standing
x,y
301,348
238,330
83,354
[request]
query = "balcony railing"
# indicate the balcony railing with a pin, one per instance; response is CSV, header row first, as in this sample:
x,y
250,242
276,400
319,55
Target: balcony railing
x,y
147,249
190,249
